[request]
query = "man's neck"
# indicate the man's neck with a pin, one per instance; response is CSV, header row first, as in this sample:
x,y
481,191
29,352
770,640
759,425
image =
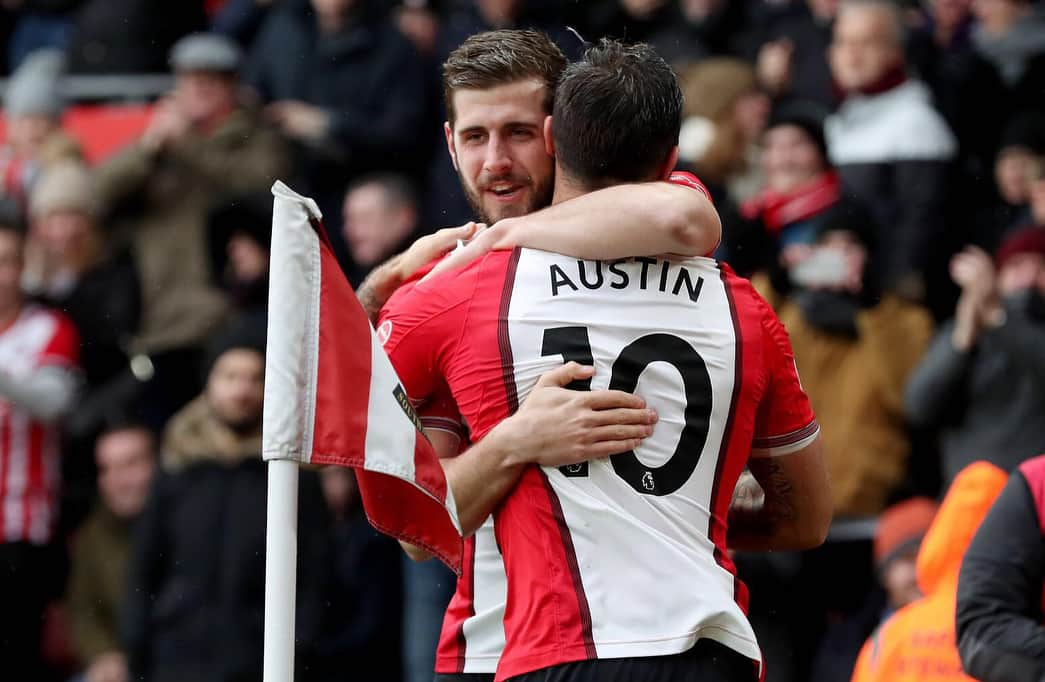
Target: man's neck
x,y
567,188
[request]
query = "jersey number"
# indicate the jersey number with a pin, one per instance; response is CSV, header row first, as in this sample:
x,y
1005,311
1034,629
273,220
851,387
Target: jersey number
x,y
573,344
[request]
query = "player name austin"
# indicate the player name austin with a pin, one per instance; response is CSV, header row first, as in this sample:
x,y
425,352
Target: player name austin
x,y
653,273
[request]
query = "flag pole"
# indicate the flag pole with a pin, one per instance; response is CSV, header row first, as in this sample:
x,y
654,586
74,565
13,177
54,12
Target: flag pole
x,y
281,549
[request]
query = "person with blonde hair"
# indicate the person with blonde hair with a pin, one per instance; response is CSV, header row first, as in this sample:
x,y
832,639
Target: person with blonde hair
x,y
724,115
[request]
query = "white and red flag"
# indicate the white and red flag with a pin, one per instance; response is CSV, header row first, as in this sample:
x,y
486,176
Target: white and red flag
x,y
332,396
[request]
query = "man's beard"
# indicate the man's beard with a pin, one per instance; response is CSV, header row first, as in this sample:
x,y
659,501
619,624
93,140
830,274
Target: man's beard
x,y
540,196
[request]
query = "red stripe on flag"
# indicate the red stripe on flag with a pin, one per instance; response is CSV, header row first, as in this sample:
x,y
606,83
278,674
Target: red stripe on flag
x,y
393,505
343,372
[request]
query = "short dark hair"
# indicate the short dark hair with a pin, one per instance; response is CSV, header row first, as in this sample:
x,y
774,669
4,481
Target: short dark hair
x,y
617,114
487,60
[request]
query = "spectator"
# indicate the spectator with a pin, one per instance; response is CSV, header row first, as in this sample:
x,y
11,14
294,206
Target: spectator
x,y
791,63
195,600
126,460
38,355
661,23
897,539
224,422
983,379
918,642
942,54
69,267
1022,149
380,220
1011,35
130,36
1000,612
889,144
724,116
354,96
801,190
361,628
33,107
201,146
72,271
855,349
240,234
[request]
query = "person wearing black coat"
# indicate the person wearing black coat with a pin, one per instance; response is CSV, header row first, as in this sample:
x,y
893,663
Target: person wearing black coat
x,y
195,607
1000,618
195,604
129,36
343,82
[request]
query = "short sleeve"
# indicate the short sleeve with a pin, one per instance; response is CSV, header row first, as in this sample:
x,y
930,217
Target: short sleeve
x,y
420,328
685,179
785,422
63,350
439,413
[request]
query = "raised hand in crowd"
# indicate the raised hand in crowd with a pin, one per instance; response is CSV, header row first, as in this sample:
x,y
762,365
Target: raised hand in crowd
x,y
979,305
299,120
169,124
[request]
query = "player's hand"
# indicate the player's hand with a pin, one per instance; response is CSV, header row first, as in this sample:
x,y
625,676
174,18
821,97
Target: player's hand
x,y
485,240
432,246
557,426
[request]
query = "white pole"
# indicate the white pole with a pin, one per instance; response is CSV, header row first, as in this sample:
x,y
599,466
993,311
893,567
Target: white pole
x,y
281,550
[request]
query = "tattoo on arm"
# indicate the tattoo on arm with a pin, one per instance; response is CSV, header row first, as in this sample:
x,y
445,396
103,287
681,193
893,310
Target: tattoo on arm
x,y
749,515
378,287
370,301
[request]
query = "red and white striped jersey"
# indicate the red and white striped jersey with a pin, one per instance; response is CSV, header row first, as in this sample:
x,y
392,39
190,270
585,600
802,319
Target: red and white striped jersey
x,y
625,556
29,448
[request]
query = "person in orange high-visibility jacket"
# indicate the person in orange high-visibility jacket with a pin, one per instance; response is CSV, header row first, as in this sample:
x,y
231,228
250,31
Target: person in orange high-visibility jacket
x,y
918,643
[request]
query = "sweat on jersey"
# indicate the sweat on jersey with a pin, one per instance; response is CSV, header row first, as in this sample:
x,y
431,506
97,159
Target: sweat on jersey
x,y
624,556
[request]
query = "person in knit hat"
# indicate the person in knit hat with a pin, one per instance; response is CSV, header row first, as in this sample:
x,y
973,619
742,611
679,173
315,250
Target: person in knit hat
x,y
897,539
918,642
983,379
33,108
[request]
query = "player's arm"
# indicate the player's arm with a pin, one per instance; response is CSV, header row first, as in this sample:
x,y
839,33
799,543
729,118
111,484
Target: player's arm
x,y
647,219
555,426
795,511
787,460
383,280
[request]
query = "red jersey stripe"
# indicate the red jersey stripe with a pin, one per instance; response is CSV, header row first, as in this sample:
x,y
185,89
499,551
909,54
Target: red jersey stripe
x,y
570,555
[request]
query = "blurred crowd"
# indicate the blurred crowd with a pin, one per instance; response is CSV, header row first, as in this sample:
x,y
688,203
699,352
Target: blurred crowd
x,y
880,172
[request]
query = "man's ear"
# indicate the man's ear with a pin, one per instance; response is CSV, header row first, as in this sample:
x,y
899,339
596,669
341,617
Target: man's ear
x,y
549,141
449,133
669,164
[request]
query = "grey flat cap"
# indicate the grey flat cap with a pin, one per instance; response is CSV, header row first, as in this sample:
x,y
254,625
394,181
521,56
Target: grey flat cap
x,y
206,52
35,87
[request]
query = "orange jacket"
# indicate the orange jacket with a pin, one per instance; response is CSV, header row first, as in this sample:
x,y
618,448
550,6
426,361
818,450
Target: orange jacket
x,y
918,644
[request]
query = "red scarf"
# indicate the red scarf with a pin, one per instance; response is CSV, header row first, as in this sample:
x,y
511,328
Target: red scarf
x,y
893,77
777,209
